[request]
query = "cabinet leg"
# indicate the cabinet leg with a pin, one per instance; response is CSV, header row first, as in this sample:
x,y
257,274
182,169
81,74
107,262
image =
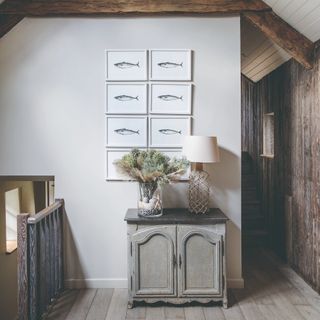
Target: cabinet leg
x,y
225,304
130,304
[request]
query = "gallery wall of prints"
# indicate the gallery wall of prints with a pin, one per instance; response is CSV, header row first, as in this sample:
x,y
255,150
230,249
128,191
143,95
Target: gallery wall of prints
x,y
148,103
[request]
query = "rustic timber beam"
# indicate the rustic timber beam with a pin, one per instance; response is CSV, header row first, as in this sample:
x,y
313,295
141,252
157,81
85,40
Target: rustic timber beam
x,y
288,38
114,7
7,22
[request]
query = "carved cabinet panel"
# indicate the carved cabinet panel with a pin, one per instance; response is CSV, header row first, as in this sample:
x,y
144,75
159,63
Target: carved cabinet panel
x,y
153,252
200,261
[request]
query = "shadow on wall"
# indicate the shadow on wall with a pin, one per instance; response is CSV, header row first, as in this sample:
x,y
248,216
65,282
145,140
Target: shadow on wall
x,y
225,177
73,268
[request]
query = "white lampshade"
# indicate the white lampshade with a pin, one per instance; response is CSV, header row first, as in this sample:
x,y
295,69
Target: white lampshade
x,y
201,149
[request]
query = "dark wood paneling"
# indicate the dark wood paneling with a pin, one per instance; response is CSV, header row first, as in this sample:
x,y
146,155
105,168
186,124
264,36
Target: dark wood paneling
x,y
290,183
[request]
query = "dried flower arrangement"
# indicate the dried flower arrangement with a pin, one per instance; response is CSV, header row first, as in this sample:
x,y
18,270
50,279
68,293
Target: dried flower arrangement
x,y
151,169
152,166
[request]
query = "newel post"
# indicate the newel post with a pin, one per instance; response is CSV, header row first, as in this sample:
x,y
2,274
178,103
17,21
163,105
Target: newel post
x,y
22,260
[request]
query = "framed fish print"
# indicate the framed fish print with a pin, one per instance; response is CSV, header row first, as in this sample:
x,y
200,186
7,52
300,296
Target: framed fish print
x,y
128,98
126,65
170,98
112,172
167,132
170,65
126,131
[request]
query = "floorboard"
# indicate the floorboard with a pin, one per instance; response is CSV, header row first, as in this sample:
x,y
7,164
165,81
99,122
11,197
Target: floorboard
x,y
136,313
213,313
192,313
100,304
62,305
174,312
273,292
155,313
82,305
118,306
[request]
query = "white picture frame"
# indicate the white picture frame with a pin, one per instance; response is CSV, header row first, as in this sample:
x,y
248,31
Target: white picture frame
x,y
126,65
170,98
126,98
112,173
126,132
168,132
170,65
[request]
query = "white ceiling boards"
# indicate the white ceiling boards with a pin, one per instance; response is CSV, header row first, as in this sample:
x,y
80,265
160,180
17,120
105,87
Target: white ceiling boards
x,y
303,15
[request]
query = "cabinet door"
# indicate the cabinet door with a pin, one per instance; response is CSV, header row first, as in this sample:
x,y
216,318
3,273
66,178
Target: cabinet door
x,y
200,261
154,256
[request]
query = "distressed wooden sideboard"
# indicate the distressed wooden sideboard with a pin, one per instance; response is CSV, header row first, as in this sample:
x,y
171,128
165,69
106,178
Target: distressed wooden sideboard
x,y
177,258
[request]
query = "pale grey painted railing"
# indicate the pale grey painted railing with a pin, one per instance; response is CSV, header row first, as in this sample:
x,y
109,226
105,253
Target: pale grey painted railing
x,y
40,260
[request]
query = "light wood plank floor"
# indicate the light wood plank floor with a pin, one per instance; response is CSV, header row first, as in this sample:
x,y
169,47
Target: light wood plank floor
x,y
273,292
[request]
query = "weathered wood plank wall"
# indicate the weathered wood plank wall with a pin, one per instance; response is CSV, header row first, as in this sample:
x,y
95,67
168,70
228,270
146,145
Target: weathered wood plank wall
x,y
290,183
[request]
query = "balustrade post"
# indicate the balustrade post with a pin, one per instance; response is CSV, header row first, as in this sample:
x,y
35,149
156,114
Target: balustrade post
x,y
22,260
33,271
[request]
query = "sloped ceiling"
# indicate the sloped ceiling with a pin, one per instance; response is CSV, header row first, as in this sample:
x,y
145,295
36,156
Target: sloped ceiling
x,y
303,15
260,55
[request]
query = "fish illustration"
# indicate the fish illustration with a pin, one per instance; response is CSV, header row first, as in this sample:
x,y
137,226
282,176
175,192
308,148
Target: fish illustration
x,y
169,131
126,132
126,65
170,97
125,97
168,64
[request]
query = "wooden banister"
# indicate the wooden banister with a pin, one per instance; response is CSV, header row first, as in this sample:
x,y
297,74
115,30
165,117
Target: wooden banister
x,y
40,260
45,212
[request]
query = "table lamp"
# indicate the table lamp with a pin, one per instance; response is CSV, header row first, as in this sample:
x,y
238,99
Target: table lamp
x,y
199,150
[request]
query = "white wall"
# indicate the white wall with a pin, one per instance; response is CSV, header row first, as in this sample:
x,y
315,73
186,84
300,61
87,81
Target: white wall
x,y
52,123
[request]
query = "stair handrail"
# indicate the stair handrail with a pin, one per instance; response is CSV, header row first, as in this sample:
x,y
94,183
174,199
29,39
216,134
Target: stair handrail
x,y
40,260
45,212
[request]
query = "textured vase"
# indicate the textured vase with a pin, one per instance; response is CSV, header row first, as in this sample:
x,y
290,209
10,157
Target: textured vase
x,y
199,191
150,200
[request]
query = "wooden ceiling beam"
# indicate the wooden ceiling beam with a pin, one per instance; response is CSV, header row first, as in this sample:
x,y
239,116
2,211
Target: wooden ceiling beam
x,y
7,22
284,35
115,7
255,11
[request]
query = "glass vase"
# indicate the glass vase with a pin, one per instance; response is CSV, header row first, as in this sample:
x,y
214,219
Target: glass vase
x,y
150,200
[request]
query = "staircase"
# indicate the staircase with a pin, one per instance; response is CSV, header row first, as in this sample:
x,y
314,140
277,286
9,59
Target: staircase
x,y
253,222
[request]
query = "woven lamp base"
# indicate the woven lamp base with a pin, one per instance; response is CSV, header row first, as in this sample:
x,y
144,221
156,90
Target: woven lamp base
x,y
199,191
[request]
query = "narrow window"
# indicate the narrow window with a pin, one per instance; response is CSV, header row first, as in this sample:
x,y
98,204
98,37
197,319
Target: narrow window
x,y
12,204
268,135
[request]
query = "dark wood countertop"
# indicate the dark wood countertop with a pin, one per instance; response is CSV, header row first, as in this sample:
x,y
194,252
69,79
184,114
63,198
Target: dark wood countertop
x,y
178,216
